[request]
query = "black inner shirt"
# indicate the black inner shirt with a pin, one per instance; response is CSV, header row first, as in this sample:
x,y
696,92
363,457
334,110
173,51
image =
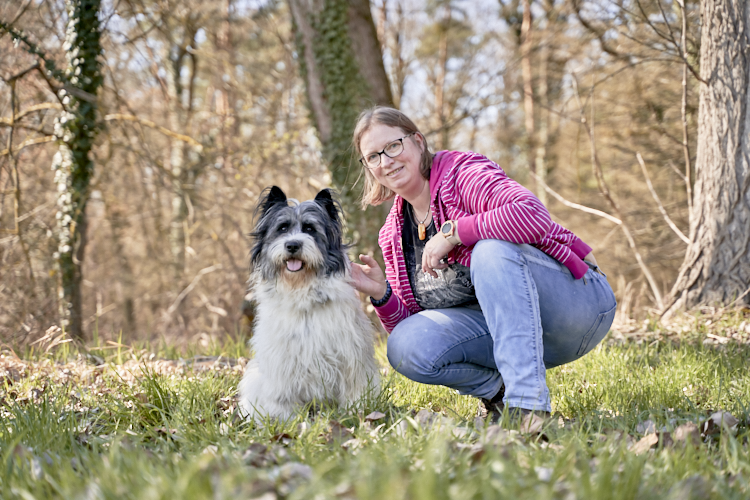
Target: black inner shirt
x,y
453,285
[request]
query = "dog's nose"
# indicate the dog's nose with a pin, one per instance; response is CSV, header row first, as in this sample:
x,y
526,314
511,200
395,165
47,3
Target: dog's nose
x,y
293,246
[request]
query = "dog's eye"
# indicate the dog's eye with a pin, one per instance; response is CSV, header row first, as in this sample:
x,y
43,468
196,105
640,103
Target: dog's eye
x,y
308,228
283,228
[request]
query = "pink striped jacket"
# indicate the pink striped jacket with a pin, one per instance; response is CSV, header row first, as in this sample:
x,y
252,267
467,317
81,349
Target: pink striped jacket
x,y
486,204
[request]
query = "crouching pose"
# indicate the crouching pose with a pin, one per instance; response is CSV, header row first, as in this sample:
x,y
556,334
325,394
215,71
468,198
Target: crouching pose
x,y
482,291
311,339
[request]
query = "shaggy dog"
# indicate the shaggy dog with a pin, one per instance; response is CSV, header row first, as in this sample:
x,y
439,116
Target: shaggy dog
x,y
311,339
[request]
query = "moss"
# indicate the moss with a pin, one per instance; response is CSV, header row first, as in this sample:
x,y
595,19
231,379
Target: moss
x,y
77,130
345,94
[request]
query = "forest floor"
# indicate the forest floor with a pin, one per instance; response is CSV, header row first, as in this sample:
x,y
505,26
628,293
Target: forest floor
x,y
652,413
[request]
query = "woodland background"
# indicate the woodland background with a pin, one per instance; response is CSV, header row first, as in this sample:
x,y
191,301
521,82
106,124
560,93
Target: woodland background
x,y
204,104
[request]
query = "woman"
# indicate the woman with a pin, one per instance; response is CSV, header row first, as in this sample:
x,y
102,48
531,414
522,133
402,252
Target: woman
x,y
482,290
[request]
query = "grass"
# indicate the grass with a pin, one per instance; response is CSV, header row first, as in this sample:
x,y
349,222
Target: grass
x,y
140,426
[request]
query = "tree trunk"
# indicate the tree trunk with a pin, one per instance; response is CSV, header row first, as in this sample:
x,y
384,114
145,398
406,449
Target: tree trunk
x,y
76,129
540,162
716,269
180,115
528,90
342,66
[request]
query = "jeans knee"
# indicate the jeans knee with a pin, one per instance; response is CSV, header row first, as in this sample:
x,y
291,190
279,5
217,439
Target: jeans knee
x,y
405,351
492,251
491,258
396,349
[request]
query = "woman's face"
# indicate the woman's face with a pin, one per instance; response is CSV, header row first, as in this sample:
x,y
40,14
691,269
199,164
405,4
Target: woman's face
x,y
400,174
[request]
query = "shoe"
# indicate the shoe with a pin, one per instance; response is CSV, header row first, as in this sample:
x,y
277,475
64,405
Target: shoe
x,y
492,409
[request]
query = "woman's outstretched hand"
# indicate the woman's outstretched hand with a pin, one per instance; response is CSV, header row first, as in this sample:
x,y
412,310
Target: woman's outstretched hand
x,y
368,277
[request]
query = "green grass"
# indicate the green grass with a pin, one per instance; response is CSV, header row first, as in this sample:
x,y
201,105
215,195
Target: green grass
x,y
157,429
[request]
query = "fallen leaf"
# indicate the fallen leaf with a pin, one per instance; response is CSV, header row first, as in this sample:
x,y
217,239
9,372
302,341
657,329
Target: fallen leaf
x,y
426,417
476,450
717,421
532,424
688,433
337,432
374,416
498,436
258,455
282,438
645,444
665,439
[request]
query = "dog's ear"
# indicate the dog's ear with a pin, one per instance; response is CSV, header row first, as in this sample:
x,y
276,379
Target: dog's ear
x,y
270,197
326,199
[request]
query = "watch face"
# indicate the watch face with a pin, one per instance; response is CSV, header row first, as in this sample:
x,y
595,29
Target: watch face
x,y
446,228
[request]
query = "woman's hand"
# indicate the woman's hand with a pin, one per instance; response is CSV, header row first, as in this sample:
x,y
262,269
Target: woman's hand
x,y
590,258
434,251
369,278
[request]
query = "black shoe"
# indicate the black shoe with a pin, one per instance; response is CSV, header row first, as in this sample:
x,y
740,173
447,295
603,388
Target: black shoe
x,y
492,409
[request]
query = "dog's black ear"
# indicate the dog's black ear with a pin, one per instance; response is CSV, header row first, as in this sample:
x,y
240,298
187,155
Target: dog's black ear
x,y
270,197
327,200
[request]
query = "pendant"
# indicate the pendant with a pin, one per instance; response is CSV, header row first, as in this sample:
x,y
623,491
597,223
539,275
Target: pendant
x,y
422,231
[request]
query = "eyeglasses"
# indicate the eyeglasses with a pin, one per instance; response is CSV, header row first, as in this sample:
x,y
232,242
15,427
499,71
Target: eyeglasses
x,y
391,150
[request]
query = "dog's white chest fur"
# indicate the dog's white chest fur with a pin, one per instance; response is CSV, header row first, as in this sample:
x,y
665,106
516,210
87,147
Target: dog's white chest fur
x,y
311,343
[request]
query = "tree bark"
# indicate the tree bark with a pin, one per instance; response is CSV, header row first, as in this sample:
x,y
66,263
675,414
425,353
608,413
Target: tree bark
x,y
76,129
716,269
342,66
528,89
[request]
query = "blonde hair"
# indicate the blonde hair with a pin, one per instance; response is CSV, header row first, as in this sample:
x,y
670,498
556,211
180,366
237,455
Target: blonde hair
x,y
375,193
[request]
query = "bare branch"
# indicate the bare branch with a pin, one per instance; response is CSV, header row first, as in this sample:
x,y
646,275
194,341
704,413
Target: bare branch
x,y
576,206
29,110
604,190
30,142
683,109
149,123
664,214
190,287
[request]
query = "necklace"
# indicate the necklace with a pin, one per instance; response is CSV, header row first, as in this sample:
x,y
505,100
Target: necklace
x,y
420,224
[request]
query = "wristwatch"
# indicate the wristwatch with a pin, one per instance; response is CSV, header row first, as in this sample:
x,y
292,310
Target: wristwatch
x,y
448,230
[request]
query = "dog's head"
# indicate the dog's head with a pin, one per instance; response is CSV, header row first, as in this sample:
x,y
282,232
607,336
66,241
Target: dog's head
x,y
298,241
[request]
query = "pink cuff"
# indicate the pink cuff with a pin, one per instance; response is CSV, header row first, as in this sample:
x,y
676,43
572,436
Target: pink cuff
x,y
580,248
389,308
468,230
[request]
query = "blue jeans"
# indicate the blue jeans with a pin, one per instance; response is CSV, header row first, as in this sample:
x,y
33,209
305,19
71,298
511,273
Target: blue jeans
x,y
534,315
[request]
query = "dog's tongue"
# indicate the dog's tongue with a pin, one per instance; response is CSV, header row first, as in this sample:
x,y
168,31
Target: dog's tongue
x,y
294,264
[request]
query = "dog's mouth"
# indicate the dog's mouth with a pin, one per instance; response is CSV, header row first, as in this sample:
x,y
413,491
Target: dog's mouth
x,y
294,265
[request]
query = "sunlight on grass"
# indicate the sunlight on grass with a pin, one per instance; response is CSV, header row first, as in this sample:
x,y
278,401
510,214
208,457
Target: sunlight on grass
x,y
155,428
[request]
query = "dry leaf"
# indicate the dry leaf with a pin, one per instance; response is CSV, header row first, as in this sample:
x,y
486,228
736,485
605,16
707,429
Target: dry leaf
x,y
688,433
337,432
282,438
498,436
645,444
718,420
426,417
532,424
374,416
665,439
